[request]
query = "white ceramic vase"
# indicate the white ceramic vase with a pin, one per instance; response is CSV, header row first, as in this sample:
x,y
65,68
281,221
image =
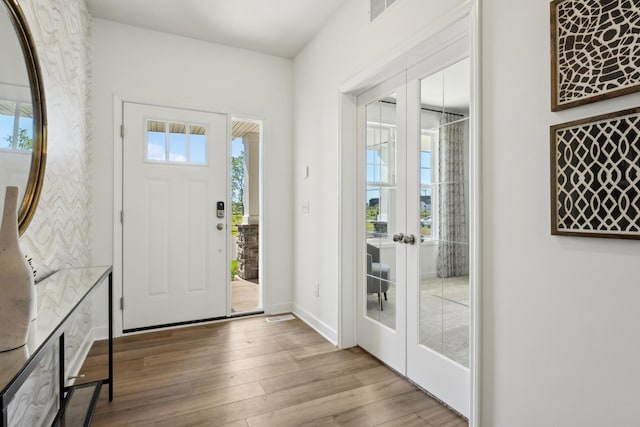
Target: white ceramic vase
x,y
17,288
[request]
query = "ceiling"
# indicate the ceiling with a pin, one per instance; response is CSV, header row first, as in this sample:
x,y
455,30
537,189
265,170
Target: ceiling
x,y
276,27
240,129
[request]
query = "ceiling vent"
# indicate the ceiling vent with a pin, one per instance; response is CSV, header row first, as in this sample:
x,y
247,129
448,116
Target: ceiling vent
x,y
379,6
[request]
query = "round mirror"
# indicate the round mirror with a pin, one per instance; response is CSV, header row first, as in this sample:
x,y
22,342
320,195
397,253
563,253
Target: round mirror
x,y
22,113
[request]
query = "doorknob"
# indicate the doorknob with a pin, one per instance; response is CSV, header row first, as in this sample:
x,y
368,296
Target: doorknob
x,y
220,226
409,239
398,237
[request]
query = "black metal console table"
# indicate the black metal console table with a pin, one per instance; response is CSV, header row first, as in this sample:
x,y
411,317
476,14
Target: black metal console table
x,y
58,297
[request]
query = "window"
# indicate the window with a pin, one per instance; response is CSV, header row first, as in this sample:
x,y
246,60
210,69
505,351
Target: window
x,y
381,140
174,142
428,143
16,126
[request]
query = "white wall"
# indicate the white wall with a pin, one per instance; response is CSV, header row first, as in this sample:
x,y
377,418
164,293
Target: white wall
x,y
561,330
158,68
348,45
14,170
13,72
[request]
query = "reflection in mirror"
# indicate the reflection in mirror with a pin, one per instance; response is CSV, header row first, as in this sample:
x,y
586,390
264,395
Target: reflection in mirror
x,y
23,124
444,212
16,112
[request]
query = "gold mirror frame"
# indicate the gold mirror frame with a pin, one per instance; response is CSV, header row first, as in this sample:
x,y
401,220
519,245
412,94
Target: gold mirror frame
x,y
39,151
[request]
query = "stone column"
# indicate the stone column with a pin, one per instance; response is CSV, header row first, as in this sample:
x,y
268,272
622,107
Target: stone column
x,y
248,257
251,194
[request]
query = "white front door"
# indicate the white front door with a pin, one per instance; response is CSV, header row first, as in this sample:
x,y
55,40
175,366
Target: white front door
x,y
175,266
413,299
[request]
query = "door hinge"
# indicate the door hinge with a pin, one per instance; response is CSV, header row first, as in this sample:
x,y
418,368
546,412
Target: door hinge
x,y
121,131
121,217
121,303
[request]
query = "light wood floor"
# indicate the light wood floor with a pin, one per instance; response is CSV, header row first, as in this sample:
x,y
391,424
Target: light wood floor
x,y
248,372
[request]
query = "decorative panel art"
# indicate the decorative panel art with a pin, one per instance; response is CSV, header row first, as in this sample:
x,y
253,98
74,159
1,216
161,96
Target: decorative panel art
x,y
595,50
595,176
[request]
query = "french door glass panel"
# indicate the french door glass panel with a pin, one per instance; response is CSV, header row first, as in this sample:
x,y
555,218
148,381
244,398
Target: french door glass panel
x,y
381,220
438,312
382,200
444,213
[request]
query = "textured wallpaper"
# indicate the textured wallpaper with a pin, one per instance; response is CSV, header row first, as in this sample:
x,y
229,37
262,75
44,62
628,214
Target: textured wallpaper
x,y
59,232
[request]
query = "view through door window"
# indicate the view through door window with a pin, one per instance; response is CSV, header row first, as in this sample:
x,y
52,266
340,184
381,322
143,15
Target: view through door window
x,y
246,292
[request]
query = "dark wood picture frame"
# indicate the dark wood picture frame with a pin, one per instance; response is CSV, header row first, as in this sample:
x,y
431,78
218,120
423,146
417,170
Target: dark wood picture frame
x,y
613,56
595,176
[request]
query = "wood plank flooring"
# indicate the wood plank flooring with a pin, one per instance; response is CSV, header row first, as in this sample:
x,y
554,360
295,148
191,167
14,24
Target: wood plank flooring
x,y
249,373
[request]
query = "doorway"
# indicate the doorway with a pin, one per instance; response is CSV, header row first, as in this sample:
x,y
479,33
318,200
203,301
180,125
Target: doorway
x,y
174,219
246,143
414,215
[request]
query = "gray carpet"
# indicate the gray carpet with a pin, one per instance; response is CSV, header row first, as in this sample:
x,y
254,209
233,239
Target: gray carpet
x,y
444,315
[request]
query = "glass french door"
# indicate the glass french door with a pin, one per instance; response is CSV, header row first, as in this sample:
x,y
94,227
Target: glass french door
x,y
414,311
382,326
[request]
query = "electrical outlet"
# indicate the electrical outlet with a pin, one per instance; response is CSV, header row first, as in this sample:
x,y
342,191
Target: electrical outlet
x,y
316,289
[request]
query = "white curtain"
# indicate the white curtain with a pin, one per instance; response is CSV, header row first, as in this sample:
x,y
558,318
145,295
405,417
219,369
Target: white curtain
x,y
453,235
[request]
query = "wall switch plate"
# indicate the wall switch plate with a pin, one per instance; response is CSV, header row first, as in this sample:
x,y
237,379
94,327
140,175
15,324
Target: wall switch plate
x,y
316,289
305,207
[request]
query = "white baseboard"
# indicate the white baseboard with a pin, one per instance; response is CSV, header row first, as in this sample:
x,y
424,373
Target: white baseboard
x,y
286,307
318,325
100,333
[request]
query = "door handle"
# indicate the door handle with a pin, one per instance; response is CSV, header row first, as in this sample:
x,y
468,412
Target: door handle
x,y
398,237
409,239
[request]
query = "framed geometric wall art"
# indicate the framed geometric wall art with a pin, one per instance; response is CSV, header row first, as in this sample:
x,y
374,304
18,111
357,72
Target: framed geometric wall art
x,y
595,176
595,50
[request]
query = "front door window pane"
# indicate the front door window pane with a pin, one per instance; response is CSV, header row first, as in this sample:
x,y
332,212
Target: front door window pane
x,y
156,141
177,142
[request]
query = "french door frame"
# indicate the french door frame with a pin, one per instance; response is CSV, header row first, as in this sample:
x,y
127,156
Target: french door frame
x,y
461,22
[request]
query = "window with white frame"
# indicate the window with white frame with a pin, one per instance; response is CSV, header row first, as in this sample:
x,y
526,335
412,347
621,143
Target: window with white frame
x,y
175,142
16,125
428,148
381,139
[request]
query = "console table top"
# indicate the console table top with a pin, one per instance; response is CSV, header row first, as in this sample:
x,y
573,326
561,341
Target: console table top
x,y
57,297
